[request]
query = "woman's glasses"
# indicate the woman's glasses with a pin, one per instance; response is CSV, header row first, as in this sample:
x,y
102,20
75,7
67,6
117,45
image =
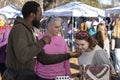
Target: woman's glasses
x,y
51,17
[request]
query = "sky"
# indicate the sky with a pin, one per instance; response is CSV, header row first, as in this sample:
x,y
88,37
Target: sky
x,y
105,1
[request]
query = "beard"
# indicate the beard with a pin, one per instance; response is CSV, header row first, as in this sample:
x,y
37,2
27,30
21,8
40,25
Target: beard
x,y
36,23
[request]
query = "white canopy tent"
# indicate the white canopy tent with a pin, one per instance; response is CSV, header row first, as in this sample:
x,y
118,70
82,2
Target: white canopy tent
x,y
75,9
115,10
10,11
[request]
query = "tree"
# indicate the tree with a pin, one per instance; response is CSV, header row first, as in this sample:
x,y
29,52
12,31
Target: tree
x,y
94,3
17,3
48,4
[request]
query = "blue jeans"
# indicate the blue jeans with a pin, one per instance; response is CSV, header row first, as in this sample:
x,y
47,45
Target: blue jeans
x,y
117,57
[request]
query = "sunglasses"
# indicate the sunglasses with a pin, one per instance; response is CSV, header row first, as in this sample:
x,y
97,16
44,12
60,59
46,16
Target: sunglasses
x,y
81,34
51,17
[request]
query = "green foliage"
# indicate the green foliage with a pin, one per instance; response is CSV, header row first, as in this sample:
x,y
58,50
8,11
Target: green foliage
x,y
48,4
94,3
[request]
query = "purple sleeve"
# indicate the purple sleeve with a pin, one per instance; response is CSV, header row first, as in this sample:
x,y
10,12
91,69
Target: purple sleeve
x,y
5,37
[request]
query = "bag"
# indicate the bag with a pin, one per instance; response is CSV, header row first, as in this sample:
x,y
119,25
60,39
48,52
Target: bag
x,y
96,72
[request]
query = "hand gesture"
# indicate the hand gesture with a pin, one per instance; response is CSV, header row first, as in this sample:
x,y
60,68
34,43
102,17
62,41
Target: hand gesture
x,y
74,54
47,39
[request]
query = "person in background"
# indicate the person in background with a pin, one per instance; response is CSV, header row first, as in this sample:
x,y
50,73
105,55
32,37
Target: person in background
x,y
111,29
107,22
89,22
24,48
69,32
91,53
57,46
83,25
115,44
102,37
4,33
92,29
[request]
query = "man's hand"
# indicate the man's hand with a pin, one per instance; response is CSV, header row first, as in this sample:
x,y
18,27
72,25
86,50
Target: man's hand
x,y
47,39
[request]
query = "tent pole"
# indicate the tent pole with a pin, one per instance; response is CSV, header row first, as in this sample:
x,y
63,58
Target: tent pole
x,y
72,41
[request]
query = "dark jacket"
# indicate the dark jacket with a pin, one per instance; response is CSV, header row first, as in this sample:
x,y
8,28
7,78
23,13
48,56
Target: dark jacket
x,y
22,48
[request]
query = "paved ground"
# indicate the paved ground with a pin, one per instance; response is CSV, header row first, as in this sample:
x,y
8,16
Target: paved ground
x,y
74,66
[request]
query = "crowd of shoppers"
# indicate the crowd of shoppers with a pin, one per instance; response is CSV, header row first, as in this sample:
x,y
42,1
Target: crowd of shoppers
x,y
27,56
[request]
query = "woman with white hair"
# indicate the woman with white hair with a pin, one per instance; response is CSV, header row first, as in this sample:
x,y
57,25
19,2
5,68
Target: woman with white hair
x,y
57,46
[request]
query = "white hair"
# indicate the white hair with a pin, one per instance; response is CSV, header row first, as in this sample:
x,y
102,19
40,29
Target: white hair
x,y
52,19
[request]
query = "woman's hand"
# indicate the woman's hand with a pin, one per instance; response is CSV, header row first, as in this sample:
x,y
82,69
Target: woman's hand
x,y
74,54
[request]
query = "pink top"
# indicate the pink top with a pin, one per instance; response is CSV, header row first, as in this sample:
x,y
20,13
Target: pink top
x,y
57,46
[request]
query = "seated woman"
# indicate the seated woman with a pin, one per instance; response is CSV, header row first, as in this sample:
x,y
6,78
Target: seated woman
x,y
91,53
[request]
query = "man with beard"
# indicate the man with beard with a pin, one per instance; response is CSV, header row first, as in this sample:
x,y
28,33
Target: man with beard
x,y
24,48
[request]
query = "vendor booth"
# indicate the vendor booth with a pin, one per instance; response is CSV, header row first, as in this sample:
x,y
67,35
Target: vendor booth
x,y
75,9
10,11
